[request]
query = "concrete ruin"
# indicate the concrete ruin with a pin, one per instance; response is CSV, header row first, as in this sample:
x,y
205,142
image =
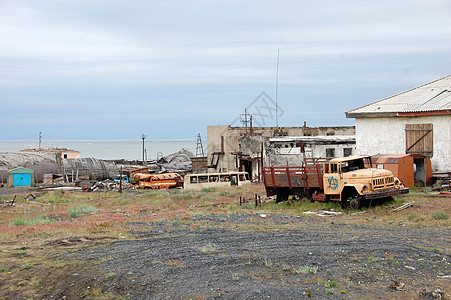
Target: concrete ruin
x,y
249,149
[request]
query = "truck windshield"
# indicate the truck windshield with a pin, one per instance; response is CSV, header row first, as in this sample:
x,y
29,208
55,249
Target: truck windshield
x,y
352,165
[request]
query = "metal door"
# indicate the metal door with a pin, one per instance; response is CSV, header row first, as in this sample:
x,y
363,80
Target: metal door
x,y
21,179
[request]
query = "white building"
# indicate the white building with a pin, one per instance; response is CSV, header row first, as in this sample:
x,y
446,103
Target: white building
x,y
417,121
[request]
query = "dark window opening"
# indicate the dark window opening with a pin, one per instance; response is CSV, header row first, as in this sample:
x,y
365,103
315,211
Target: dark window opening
x,y
330,152
347,152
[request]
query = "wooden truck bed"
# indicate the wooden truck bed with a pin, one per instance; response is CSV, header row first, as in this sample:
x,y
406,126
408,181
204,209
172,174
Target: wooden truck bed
x,y
293,177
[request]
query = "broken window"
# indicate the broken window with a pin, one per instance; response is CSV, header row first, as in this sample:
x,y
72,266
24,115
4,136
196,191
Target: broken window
x,y
330,152
214,178
347,152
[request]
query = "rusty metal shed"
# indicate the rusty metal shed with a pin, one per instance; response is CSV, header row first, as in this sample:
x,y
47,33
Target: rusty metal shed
x,y
21,177
413,170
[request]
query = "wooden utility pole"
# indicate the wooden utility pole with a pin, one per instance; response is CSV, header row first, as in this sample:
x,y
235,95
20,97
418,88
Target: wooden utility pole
x,y
120,181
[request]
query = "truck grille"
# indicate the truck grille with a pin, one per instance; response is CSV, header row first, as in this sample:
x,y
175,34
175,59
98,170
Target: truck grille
x,y
383,182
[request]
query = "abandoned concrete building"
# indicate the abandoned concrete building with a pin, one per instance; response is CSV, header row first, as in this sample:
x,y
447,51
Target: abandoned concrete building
x,y
282,151
249,149
417,121
63,152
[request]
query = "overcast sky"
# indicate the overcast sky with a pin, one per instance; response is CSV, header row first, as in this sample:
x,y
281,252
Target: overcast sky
x,y
98,69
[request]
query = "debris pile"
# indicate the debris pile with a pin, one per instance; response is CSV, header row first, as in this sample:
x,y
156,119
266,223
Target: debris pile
x,y
110,186
323,213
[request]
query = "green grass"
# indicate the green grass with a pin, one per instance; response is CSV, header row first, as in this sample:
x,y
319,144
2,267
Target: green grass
x,y
30,222
414,217
440,215
27,266
78,211
306,270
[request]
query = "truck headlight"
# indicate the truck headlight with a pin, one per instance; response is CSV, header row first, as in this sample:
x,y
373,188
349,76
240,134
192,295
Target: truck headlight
x,y
396,181
364,188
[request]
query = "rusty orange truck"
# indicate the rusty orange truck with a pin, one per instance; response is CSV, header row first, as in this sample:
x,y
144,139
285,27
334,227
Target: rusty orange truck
x,y
350,180
159,181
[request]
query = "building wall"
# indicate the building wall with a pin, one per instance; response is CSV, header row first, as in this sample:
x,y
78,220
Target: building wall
x,y
294,157
70,154
387,136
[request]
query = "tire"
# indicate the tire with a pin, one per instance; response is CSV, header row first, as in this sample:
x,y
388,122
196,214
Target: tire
x,y
282,195
355,203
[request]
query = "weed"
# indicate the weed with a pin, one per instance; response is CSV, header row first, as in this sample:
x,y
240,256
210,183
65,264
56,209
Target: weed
x,y
111,275
440,215
437,250
286,267
208,190
268,263
181,196
78,211
208,248
156,262
414,217
236,276
389,256
174,262
330,291
36,282
35,221
306,270
330,283
26,266
342,291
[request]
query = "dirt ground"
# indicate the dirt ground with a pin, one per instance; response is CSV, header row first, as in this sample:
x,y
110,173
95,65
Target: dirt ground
x,y
174,260
233,255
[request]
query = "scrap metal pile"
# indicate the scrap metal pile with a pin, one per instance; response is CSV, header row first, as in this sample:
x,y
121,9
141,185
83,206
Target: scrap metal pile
x,y
178,162
110,186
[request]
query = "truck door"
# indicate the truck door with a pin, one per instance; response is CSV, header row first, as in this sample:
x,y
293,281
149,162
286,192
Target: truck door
x,y
331,180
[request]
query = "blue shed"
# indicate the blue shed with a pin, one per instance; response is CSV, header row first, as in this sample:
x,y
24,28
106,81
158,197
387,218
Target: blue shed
x,y
21,177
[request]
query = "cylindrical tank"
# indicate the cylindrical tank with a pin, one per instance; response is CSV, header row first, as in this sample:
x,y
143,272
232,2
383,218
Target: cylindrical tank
x,y
44,163
89,168
41,163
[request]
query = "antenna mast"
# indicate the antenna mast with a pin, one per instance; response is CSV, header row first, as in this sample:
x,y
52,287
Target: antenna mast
x,y
277,89
199,147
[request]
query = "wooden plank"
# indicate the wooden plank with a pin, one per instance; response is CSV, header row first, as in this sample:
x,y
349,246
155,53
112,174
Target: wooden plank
x,y
409,204
419,138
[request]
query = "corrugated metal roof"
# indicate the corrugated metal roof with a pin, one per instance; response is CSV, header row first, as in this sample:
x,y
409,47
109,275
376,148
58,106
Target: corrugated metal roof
x,y
431,97
21,170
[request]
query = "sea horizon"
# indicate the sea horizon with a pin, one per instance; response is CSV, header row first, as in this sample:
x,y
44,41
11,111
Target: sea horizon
x,y
108,149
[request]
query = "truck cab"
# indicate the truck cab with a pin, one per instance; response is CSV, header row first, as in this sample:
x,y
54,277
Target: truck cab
x,y
352,180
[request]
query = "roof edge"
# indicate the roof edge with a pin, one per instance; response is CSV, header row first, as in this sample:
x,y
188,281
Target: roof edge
x,y
420,86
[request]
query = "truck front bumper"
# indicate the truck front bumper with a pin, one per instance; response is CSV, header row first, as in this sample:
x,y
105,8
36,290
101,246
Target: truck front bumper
x,y
386,193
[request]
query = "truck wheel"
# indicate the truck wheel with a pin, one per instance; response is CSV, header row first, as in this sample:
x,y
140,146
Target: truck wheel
x,y
281,196
354,203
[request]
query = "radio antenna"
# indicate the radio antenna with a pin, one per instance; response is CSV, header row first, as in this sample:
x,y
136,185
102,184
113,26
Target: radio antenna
x,y
277,89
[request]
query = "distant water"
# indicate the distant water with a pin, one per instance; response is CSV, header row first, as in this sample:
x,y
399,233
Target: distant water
x,y
129,150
